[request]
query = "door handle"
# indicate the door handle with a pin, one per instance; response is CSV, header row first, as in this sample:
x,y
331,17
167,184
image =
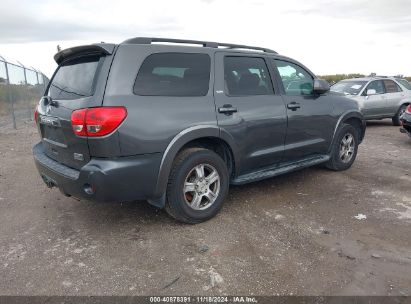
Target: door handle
x,y
227,109
293,106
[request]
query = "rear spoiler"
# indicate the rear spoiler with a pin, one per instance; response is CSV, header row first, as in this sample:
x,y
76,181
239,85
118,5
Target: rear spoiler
x,y
98,49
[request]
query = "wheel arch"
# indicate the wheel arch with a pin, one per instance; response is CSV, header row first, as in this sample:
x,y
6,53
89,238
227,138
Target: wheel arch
x,y
352,117
211,137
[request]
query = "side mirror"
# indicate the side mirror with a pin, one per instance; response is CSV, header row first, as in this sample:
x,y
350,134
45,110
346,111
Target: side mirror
x,y
371,92
321,86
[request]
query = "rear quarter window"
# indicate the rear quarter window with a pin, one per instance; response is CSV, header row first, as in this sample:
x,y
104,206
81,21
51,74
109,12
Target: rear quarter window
x,y
75,78
405,83
173,74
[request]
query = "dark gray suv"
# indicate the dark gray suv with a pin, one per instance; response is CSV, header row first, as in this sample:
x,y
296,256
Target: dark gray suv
x,y
175,125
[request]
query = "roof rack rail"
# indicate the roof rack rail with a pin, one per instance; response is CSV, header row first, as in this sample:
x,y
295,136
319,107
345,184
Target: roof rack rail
x,y
381,76
149,40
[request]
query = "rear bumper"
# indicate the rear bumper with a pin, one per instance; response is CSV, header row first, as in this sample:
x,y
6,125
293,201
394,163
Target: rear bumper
x,y
107,180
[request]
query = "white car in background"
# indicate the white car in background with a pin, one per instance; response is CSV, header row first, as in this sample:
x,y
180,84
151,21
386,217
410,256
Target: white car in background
x,y
378,97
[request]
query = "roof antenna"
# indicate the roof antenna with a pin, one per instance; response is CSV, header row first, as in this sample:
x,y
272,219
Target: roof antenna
x,y
58,48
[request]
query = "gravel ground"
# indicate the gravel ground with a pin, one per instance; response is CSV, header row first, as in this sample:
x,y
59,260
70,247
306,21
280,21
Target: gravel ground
x,y
292,235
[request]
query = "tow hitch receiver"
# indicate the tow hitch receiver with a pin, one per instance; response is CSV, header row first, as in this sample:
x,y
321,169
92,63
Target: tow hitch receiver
x,y
49,181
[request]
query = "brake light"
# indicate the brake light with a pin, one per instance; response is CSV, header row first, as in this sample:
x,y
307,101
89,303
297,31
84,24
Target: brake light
x,y
94,122
408,109
78,120
36,115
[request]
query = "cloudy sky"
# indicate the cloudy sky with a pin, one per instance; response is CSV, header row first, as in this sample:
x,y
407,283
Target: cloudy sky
x,y
329,36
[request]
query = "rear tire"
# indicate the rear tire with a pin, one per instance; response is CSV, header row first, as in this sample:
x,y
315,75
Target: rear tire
x,y
197,186
396,119
344,149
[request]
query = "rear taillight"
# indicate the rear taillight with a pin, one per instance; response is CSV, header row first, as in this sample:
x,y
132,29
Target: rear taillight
x,y
78,121
94,122
408,109
36,115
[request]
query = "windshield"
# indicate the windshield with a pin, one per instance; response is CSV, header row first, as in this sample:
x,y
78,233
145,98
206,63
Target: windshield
x,y
74,79
405,83
349,87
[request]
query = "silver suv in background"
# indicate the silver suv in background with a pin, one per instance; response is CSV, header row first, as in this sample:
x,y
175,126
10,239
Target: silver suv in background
x,y
378,97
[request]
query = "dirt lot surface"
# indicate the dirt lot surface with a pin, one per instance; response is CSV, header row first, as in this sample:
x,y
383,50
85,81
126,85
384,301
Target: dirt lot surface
x,y
295,234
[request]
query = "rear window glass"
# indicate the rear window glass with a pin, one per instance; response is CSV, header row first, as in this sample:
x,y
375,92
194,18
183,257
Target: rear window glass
x,y
174,74
75,79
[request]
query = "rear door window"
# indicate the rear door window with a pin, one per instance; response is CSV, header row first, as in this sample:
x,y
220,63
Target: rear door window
x,y
246,76
174,74
391,86
75,79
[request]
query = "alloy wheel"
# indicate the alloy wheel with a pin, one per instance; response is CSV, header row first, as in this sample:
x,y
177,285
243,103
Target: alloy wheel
x,y
347,147
201,187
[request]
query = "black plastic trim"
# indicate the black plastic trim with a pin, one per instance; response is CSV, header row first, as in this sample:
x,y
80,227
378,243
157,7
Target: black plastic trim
x,y
101,49
42,158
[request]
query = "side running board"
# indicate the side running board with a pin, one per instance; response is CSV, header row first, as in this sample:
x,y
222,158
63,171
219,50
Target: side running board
x,y
278,170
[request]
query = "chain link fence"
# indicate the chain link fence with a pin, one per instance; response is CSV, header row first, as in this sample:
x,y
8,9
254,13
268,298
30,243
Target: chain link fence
x,y
20,89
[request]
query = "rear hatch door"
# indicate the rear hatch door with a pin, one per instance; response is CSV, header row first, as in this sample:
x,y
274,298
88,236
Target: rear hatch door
x,y
78,83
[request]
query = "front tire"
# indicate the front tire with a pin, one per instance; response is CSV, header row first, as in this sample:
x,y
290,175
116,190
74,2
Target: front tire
x,y
396,119
344,149
197,186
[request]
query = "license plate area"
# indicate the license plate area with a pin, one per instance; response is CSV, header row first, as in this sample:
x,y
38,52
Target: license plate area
x,y
51,129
